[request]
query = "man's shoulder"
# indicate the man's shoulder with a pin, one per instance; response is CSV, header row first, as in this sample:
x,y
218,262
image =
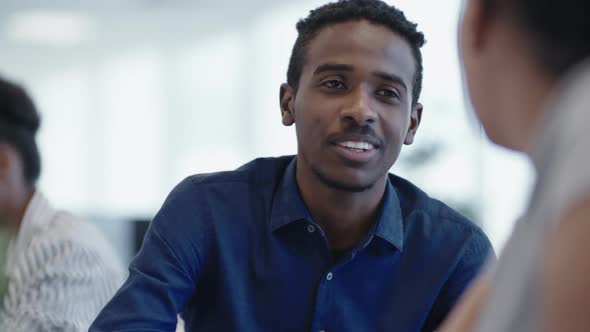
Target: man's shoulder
x,y
439,226
414,201
200,192
260,172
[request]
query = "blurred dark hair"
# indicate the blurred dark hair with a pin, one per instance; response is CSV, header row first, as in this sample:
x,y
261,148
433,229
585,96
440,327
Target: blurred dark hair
x,y
560,31
374,11
19,122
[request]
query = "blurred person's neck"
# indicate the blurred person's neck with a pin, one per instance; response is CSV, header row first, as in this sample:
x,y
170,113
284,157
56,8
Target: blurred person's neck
x,y
14,212
15,190
527,94
525,91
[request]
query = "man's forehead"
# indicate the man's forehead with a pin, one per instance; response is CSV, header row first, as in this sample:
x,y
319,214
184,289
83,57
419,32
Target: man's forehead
x,y
364,44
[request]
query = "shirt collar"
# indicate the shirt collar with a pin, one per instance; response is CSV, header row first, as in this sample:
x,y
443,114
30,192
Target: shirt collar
x,y
288,206
389,224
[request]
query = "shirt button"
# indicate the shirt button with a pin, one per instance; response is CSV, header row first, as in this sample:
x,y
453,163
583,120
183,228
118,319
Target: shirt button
x,y
329,276
310,228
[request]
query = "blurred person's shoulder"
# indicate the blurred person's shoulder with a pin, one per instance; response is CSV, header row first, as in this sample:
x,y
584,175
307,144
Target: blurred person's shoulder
x,y
560,156
58,242
69,245
59,256
80,236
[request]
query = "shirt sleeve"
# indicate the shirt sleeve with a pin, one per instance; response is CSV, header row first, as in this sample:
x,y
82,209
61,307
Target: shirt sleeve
x,y
163,275
59,286
477,253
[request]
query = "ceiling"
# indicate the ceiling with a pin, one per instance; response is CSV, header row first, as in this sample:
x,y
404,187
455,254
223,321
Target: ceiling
x,y
30,24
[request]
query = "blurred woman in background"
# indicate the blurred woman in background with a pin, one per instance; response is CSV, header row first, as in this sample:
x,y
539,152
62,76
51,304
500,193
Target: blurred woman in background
x,y
58,270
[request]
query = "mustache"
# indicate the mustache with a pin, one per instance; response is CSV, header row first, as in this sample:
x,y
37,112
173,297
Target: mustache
x,y
355,132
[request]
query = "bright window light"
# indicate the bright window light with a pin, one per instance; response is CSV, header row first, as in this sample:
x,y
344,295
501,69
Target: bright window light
x,y
49,27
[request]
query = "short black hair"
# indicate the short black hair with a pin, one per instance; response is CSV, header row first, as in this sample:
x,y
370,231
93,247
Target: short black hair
x,y
374,11
19,123
559,31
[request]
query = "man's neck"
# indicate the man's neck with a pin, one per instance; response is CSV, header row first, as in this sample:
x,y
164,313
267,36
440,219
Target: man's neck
x,y
345,216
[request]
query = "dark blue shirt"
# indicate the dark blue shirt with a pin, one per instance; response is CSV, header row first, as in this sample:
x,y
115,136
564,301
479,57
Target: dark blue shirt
x,y
238,251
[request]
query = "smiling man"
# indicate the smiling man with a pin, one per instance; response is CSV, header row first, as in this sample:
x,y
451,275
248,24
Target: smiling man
x,y
326,240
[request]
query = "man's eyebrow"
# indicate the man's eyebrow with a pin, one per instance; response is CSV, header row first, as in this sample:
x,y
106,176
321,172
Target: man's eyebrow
x,y
348,68
333,67
391,77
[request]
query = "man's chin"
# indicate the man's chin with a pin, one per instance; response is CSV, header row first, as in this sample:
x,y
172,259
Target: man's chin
x,y
349,185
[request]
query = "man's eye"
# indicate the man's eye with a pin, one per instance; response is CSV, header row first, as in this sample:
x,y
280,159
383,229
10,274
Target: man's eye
x,y
333,84
388,93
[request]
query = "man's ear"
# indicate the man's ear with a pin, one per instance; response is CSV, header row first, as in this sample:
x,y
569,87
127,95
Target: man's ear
x,y
415,118
287,101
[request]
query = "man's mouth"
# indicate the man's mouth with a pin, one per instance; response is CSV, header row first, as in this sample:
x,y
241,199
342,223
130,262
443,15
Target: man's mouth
x,y
357,146
357,150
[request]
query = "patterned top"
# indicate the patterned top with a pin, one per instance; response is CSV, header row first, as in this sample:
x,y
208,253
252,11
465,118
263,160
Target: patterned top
x,y
61,271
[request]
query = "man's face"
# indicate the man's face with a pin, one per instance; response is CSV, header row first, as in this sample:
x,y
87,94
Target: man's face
x,y
353,107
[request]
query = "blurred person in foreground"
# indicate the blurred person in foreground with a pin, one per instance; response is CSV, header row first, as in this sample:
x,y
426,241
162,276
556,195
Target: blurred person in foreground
x,y
527,67
58,270
326,240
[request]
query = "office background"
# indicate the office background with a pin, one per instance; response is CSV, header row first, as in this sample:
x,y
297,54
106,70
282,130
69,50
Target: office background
x,y
136,95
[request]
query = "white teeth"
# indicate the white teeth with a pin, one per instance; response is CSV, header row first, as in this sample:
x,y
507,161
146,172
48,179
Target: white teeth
x,y
357,145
